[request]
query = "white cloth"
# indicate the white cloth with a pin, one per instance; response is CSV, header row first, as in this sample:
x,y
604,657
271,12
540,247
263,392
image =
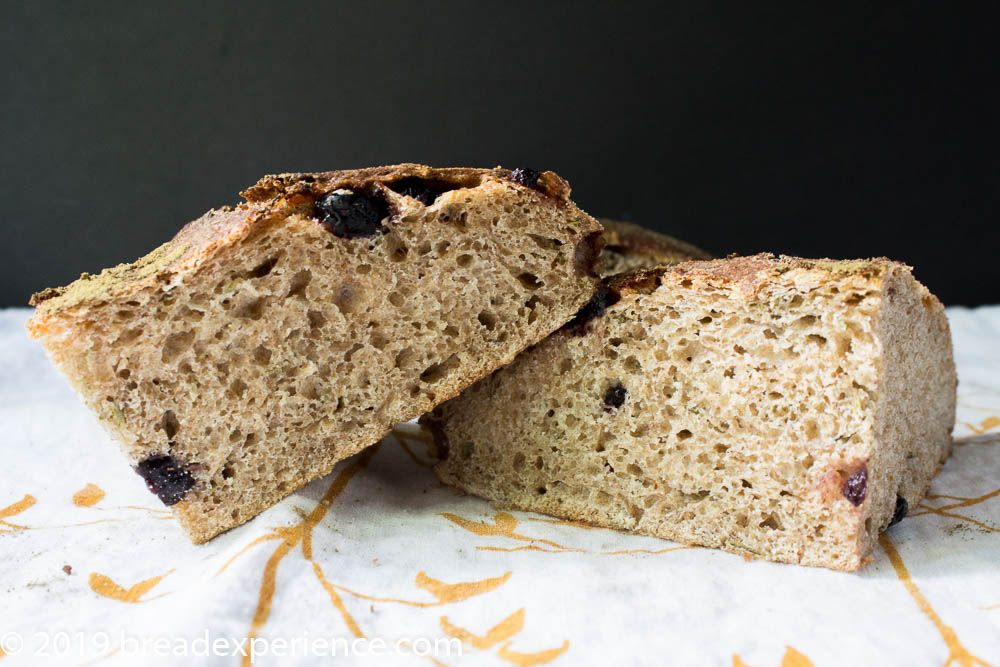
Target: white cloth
x,y
399,556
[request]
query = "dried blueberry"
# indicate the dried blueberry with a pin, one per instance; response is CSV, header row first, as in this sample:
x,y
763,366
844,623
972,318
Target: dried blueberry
x,y
856,485
598,303
418,189
902,507
351,214
165,477
526,177
615,397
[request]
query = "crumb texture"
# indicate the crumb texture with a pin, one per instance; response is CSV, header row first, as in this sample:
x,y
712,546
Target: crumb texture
x,y
773,407
275,347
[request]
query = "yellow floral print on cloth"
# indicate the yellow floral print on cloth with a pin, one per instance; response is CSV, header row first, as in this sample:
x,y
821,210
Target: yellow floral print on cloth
x,y
379,553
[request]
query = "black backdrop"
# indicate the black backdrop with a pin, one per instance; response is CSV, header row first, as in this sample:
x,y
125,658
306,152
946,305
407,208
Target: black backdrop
x,y
837,132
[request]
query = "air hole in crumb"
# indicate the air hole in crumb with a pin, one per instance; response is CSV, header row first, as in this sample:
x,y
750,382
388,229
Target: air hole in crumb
x,y
128,336
350,352
405,358
170,424
683,434
379,340
396,248
397,299
299,282
632,365
541,490
488,320
316,319
772,522
530,281
451,330
175,345
816,338
262,355
349,298
227,471
436,372
854,299
518,461
844,345
251,309
463,260
264,268
238,388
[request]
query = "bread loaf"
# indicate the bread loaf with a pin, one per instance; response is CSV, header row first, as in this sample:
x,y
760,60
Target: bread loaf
x,y
775,407
266,342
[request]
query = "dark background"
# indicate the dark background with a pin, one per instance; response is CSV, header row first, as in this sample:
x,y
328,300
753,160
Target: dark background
x,y
841,133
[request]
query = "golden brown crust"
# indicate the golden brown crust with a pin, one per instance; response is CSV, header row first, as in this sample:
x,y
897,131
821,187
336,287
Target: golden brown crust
x,y
289,186
751,271
193,242
639,240
271,197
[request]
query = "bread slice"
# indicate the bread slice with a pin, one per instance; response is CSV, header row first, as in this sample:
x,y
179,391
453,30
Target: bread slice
x,y
776,407
628,246
266,342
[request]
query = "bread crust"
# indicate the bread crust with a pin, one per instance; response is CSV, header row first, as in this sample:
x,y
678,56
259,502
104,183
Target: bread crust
x,y
640,240
273,196
629,247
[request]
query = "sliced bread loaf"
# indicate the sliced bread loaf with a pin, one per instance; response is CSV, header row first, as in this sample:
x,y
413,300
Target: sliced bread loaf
x,y
776,407
266,342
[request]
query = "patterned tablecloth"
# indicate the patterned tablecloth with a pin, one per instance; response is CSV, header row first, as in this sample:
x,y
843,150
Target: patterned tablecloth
x,y
379,559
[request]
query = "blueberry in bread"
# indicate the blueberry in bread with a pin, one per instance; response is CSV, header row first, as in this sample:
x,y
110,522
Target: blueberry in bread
x,y
777,407
266,342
